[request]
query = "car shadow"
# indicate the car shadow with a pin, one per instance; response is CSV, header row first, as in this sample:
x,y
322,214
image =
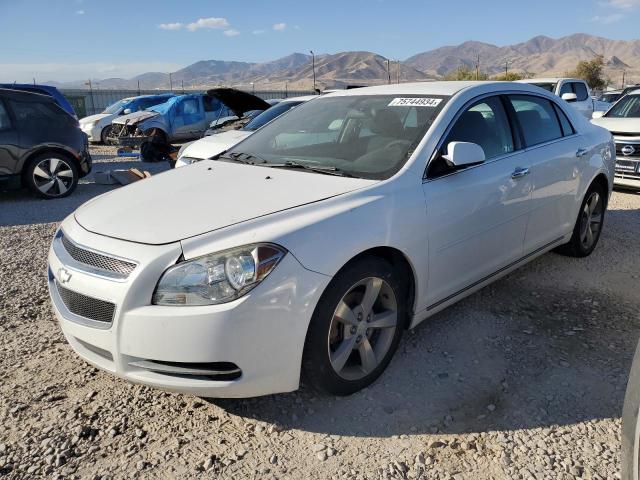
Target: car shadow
x,y
21,207
532,350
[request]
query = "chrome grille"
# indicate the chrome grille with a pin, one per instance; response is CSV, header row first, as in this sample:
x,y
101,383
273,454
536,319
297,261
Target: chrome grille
x,y
85,306
96,260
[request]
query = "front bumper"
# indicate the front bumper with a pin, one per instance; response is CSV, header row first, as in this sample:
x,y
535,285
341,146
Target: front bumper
x,y
261,334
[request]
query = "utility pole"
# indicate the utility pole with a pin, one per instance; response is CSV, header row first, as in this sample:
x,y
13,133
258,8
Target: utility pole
x,y
170,83
138,87
313,65
34,80
93,105
182,86
388,71
624,74
286,89
506,69
398,71
478,68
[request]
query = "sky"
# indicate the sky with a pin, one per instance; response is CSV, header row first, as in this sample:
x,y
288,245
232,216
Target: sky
x,y
66,40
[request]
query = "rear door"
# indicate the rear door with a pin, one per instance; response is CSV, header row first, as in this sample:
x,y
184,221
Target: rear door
x,y
188,118
9,141
476,217
552,149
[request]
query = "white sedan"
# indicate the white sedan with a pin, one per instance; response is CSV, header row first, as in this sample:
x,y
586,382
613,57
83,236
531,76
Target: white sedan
x,y
309,247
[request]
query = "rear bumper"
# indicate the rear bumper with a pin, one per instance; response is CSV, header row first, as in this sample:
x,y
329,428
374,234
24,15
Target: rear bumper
x,y
256,342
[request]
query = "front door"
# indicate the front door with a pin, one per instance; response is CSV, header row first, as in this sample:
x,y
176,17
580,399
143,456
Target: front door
x,y
476,217
188,118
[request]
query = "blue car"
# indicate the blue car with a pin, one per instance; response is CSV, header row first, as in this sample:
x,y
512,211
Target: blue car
x,y
44,90
184,117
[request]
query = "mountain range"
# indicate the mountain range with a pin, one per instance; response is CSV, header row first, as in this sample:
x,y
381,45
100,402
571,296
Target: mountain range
x,y
539,56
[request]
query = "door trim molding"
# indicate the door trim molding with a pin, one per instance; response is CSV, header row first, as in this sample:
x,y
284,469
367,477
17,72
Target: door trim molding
x,y
497,272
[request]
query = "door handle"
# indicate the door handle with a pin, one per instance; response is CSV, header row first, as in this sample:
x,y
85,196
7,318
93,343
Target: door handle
x,y
581,152
520,172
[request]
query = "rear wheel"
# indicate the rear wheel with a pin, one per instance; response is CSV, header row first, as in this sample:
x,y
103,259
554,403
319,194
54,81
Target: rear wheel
x,y
355,328
588,228
51,175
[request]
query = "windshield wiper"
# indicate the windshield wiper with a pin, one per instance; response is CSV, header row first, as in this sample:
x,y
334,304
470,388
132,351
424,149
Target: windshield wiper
x,y
325,169
241,157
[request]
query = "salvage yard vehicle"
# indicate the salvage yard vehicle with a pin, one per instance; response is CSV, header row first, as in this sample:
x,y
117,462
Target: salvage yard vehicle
x,y
183,117
623,121
212,145
571,90
313,244
98,126
41,145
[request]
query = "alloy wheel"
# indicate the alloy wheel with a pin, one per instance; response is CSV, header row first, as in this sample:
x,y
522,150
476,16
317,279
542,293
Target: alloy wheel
x,y
591,221
53,176
362,328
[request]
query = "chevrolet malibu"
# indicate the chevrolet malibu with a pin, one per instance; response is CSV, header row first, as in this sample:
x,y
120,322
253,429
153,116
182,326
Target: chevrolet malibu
x,y
307,249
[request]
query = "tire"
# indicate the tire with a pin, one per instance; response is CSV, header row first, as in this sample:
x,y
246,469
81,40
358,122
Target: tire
x,y
349,344
630,427
105,134
51,175
589,223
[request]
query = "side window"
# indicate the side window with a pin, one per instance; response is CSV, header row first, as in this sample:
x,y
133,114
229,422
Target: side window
x,y
566,88
42,113
5,121
581,91
537,118
567,128
211,104
486,124
188,107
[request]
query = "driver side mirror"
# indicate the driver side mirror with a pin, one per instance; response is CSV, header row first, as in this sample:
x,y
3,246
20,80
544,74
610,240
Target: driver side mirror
x,y
569,97
464,154
127,111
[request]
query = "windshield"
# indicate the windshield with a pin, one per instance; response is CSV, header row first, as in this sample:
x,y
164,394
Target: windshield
x,y
115,108
548,86
628,107
366,136
268,115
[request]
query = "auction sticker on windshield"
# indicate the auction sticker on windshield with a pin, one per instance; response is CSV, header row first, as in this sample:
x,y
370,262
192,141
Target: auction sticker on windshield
x,y
415,102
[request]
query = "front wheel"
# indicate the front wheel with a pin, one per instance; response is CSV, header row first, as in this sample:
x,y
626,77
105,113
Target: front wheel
x,y
588,227
106,136
355,328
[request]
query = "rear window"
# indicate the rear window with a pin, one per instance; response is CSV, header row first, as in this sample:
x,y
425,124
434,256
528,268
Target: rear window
x,y
537,118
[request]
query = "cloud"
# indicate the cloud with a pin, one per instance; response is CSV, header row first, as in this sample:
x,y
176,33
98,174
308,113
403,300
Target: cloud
x,y
608,19
211,22
170,26
622,4
258,32
231,32
280,27
79,12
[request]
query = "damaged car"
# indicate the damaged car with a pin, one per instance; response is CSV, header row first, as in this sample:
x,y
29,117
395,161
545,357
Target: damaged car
x,y
183,117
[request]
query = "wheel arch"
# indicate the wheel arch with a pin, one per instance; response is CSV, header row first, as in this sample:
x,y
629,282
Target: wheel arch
x,y
602,180
42,151
399,261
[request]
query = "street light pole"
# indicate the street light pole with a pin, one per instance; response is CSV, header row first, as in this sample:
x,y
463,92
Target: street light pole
x,y
313,63
170,82
93,105
398,72
388,72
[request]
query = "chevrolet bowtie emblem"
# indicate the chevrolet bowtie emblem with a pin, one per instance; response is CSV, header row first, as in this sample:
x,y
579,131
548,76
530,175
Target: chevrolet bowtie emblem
x,y
63,275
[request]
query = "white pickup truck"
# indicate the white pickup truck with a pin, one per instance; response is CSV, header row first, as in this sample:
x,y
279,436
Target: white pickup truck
x,y
572,90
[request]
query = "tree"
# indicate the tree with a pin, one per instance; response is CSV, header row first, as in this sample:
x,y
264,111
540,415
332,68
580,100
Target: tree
x,y
465,73
509,77
592,72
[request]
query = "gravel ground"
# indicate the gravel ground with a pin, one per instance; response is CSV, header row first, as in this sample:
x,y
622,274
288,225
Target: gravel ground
x,y
525,379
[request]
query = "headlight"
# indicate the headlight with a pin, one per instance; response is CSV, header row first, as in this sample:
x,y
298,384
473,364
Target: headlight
x,y
219,277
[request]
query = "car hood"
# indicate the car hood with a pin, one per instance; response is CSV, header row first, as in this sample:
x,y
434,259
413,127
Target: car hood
x,y
622,125
215,144
136,117
204,197
94,118
238,101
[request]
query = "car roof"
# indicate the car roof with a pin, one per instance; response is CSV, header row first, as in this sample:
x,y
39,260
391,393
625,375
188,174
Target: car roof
x,y
22,94
548,80
304,98
441,88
